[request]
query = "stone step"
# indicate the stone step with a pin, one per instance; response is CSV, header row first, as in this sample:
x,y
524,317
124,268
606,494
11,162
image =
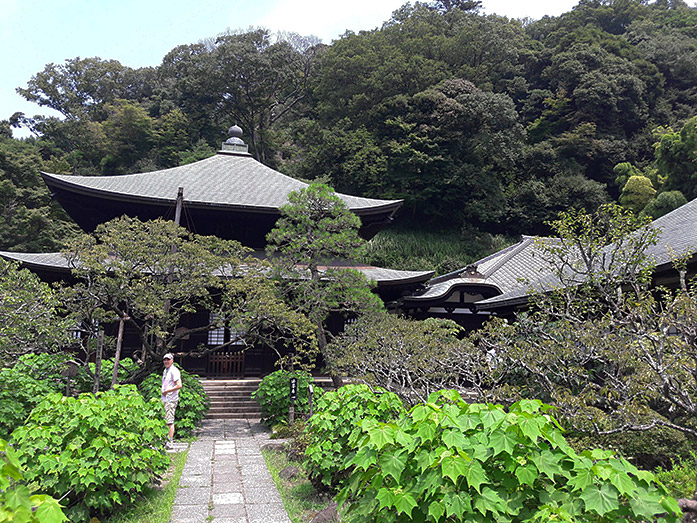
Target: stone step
x,y
235,415
234,405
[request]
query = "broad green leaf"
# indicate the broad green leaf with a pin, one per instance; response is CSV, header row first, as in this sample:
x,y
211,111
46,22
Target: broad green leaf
x,y
381,435
502,441
475,475
386,497
18,497
436,510
454,466
530,428
581,478
492,418
547,463
601,499
527,474
623,483
393,464
454,438
458,504
489,501
50,512
645,507
404,503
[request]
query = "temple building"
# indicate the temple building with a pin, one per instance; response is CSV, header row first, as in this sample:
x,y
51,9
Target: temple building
x,y
229,195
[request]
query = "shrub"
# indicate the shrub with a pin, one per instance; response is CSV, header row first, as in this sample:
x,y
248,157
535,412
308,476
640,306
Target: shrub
x,y
17,503
193,401
48,368
19,394
679,477
273,395
84,381
97,451
450,461
334,428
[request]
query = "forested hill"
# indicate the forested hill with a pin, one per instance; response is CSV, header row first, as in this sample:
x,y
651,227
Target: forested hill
x,y
476,121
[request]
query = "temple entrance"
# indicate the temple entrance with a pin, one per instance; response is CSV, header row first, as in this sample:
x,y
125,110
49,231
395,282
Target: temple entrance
x,y
225,365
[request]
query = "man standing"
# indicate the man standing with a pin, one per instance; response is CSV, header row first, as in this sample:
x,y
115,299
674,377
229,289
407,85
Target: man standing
x,y
171,383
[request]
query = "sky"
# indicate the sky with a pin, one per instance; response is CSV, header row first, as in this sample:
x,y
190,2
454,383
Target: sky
x,y
139,33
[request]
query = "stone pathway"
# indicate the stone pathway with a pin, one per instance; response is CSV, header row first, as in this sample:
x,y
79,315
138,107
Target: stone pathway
x,y
225,479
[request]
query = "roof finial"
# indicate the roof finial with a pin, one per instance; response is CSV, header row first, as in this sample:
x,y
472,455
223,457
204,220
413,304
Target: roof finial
x,y
235,144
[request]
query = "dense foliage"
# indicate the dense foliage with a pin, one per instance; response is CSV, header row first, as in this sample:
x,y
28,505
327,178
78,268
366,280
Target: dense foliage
x,y
93,452
193,400
473,119
449,460
17,503
273,395
29,317
335,426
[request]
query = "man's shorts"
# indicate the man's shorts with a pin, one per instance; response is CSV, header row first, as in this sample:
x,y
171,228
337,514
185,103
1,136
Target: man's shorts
x,y
170,407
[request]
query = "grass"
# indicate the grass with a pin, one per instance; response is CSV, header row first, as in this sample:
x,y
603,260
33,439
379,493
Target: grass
x,y
300,498
155,506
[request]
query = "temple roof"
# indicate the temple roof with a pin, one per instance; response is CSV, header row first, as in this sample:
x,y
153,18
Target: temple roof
x,y
225,179
56,262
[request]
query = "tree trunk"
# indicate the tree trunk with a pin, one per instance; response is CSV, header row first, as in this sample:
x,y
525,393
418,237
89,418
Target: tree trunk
x,y
98,361
117,356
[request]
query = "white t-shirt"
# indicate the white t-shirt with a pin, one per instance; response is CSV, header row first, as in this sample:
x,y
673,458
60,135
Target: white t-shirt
x,y
169,379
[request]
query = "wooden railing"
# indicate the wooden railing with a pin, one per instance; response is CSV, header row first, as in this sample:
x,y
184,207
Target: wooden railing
x,y
226,364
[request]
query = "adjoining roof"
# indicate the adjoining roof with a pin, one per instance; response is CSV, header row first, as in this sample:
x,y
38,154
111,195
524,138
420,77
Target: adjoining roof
x,y
224,180
56,262
520,269
498,273
677,237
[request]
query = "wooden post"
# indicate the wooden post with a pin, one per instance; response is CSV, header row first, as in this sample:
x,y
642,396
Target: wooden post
x,y
117,356
98,360
310,395
179,205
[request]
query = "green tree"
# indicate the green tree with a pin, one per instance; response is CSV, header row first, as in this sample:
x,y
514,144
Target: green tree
x,y
81,87
676,158
637,193
152,274
29,219
315,229
29,314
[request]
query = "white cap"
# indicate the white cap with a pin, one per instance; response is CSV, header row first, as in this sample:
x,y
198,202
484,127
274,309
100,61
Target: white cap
x,y
168,356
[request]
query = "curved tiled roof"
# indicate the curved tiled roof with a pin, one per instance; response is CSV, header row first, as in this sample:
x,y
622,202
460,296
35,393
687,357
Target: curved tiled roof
x,y
223,180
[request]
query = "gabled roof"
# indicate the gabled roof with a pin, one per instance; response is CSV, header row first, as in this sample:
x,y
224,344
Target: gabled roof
x,y
229,180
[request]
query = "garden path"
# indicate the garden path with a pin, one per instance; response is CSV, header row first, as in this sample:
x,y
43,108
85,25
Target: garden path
x,y
225,479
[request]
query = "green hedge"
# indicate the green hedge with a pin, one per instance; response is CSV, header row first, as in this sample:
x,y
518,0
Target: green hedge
x,y
273,395
331,433
450,461
93,452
